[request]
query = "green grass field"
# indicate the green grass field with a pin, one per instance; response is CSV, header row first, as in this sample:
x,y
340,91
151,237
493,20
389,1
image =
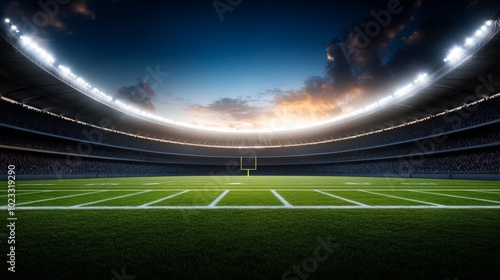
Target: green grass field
x,y
255,228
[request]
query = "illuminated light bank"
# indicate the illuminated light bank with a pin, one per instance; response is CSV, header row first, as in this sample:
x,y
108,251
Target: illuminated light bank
x,y
456,55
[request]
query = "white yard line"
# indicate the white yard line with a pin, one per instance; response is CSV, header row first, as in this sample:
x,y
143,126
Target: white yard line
x,y
55,198
344,199
252,207
256,189
403,198
218,199
162,199
484,192
458,196
278,196
24,193
107,199
35,184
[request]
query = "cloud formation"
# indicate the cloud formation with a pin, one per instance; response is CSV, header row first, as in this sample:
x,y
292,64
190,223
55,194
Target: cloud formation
x,y
140,95
353,75
48,13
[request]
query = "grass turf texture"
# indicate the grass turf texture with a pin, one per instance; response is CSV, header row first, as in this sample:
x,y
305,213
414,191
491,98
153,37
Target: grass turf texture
x,y
257,243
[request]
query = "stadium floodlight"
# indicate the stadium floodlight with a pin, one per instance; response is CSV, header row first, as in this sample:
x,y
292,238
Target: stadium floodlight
x,y
384,100
65,70
489,22
13,27
421,78
478,33
455,54
469,41
404,90
7,20
26,40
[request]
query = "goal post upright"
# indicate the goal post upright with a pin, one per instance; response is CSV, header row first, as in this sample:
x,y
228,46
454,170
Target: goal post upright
x,y
248,169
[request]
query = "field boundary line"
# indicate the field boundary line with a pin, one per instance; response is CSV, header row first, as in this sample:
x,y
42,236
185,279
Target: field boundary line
x,y
485,192
326,207
278,196
458,196
219,198
162,199
255,189
344,199
403,198
59,197
102,200
4,195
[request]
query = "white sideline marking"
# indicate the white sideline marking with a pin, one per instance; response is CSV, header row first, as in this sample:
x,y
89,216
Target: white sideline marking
x,y
278,196
235,183
162,199
354,183
256,189
25,193
484,192
103,184
35,184
457,196
218,199
253,207
102,200
149,184
403,198
344,199
419,184
59,197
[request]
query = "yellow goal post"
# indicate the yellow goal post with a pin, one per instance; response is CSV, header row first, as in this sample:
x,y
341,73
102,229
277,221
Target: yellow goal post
x,y
248,169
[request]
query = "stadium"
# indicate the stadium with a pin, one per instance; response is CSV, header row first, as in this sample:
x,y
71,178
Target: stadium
x,y
406,187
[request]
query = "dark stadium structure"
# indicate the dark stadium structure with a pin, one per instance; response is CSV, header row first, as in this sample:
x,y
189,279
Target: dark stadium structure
x,y
448,129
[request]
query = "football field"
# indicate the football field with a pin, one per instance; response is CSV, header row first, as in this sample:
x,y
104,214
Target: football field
x,y
258,227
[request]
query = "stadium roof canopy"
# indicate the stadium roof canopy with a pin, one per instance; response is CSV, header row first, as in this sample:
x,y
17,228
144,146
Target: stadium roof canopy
x,y
26,80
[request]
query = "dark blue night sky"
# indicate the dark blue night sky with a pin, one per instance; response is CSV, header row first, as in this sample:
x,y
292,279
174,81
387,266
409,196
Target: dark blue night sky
x,y
245,62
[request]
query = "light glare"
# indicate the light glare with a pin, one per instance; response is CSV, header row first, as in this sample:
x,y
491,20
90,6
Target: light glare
x,y
455,54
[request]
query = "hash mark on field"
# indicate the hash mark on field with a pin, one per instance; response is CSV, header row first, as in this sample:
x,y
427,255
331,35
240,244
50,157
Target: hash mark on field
x,y
102,200
149,184
162,199
344,199
457,196
403,198
278,196
218,199
59,197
